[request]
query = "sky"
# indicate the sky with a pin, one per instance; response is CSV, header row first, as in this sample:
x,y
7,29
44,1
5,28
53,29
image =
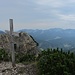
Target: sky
x,y
37,14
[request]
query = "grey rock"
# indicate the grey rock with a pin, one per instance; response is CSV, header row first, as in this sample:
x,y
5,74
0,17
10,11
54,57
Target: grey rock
x,y
23,43
20,69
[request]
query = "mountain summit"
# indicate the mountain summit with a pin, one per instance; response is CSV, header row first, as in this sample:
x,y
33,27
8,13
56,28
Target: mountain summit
x,y
23,43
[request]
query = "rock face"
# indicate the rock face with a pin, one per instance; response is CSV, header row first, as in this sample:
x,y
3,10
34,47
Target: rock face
x,y
23,43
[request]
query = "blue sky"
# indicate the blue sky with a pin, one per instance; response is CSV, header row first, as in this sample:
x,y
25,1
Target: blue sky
x,y
37,14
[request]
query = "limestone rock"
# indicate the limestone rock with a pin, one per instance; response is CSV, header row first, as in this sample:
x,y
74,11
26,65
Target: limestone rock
x,y
23,43
20,69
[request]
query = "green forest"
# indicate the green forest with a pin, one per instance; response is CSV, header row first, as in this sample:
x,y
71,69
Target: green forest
x,y
48,62
56,62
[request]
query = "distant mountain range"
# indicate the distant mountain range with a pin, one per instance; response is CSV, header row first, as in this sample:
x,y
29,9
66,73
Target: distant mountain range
x,y
1,32
52,38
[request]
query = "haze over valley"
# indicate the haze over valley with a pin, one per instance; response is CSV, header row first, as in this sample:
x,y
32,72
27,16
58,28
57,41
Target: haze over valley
x,y
53,38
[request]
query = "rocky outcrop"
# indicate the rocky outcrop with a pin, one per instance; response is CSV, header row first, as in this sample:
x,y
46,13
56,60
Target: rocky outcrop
x,y
23,43
20,69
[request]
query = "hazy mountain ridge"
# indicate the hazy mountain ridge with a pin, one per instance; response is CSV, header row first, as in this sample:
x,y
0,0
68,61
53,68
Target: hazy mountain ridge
x,y
1,32
56,37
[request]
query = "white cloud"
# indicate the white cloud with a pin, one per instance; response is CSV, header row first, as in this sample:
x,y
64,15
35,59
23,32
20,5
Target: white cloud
x,y
71,1
67,17
47,13
51,3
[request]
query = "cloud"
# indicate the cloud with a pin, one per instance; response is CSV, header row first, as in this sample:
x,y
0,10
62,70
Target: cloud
x,y
38,13
52,3
70,17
